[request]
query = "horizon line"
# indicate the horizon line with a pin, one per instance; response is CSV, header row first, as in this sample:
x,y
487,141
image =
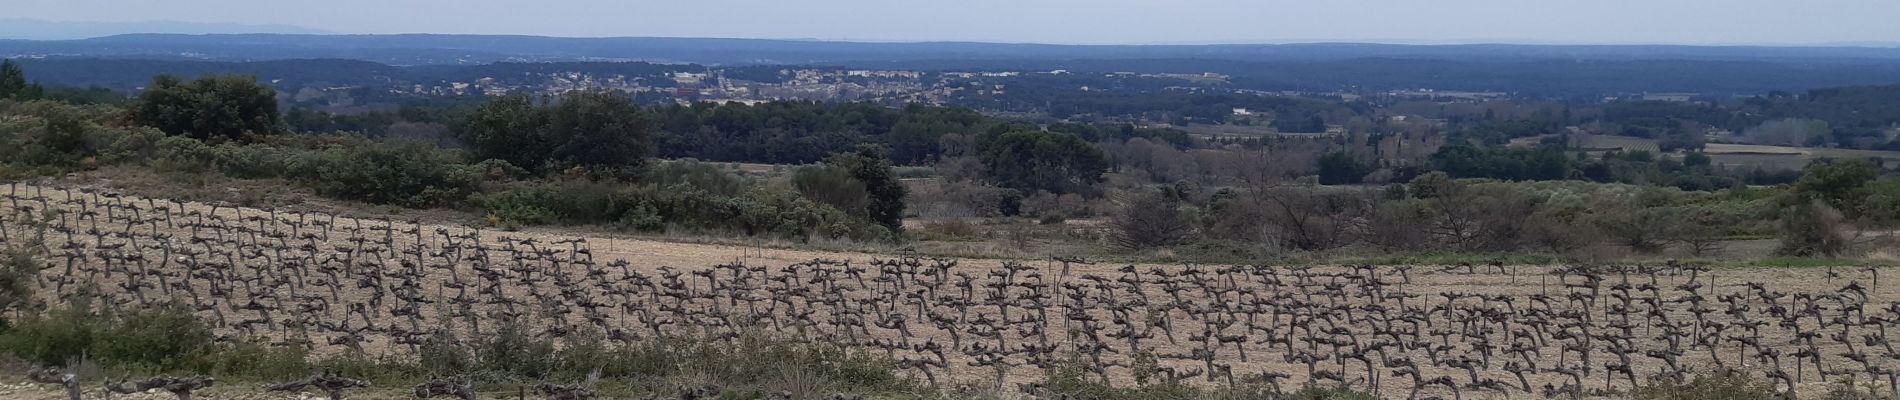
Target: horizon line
x,y
1178,43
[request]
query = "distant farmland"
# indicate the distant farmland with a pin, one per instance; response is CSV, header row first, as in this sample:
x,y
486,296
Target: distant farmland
x,y
1727,154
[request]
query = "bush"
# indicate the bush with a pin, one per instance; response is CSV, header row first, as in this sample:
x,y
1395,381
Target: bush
x,y
1149,220
56,337
530,206
600,131
165,337
18,272
831,186
1341,168
209,108
249,162
185,155
1722,385
516,352
696,174
1814,229
255,360
406,174
651,208
55,137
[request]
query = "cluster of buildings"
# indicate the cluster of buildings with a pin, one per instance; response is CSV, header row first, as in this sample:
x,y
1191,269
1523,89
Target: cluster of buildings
x,y
813,84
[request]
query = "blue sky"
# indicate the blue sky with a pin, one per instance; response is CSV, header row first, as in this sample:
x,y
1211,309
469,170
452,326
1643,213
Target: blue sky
x,y
1050,21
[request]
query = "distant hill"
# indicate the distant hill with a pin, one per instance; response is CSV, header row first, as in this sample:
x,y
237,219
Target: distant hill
x,y
1578,80
1565,71
420,49
33,29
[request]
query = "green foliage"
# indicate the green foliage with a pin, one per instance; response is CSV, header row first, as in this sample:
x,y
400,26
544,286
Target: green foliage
x,y
1463,161
756,363
253,359
1329,393
51,135
705,176
1071,377
1432,185
164,336
859,182
514,351
1341,168
13,83
600,131
1717,385
55,337
1841,184
407,174
651,207
211,108
1032,160
18,272
831,185
805,132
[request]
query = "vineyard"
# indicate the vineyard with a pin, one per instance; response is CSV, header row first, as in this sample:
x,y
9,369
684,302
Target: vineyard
x,y
388,287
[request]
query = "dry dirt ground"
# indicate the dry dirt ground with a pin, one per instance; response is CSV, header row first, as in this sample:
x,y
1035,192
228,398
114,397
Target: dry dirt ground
x,y
380,287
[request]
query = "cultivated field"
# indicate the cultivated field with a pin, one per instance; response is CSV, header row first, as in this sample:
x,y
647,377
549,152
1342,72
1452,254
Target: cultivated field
x,y
1486,331
1727,154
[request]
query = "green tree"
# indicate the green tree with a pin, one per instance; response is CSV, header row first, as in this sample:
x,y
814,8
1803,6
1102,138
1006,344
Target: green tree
x,y
593,130
13,83
227,107
599,130
1433,184
18,271
510,129
870,166
1696,159
1031,160
1341,168
1841,184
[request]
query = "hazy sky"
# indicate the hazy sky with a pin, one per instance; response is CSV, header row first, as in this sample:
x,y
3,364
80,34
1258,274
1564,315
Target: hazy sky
x,y
1050,21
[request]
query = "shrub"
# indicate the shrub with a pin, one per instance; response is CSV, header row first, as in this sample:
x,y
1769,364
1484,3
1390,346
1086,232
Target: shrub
x,y
1342,168
697,174
1814,229
256,360
406,174
183,154
18,272
164,336
529,206
1723,385
56,337
249,162
1149,220
884,194
831,186
649,208
515,351
601,131
208,108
